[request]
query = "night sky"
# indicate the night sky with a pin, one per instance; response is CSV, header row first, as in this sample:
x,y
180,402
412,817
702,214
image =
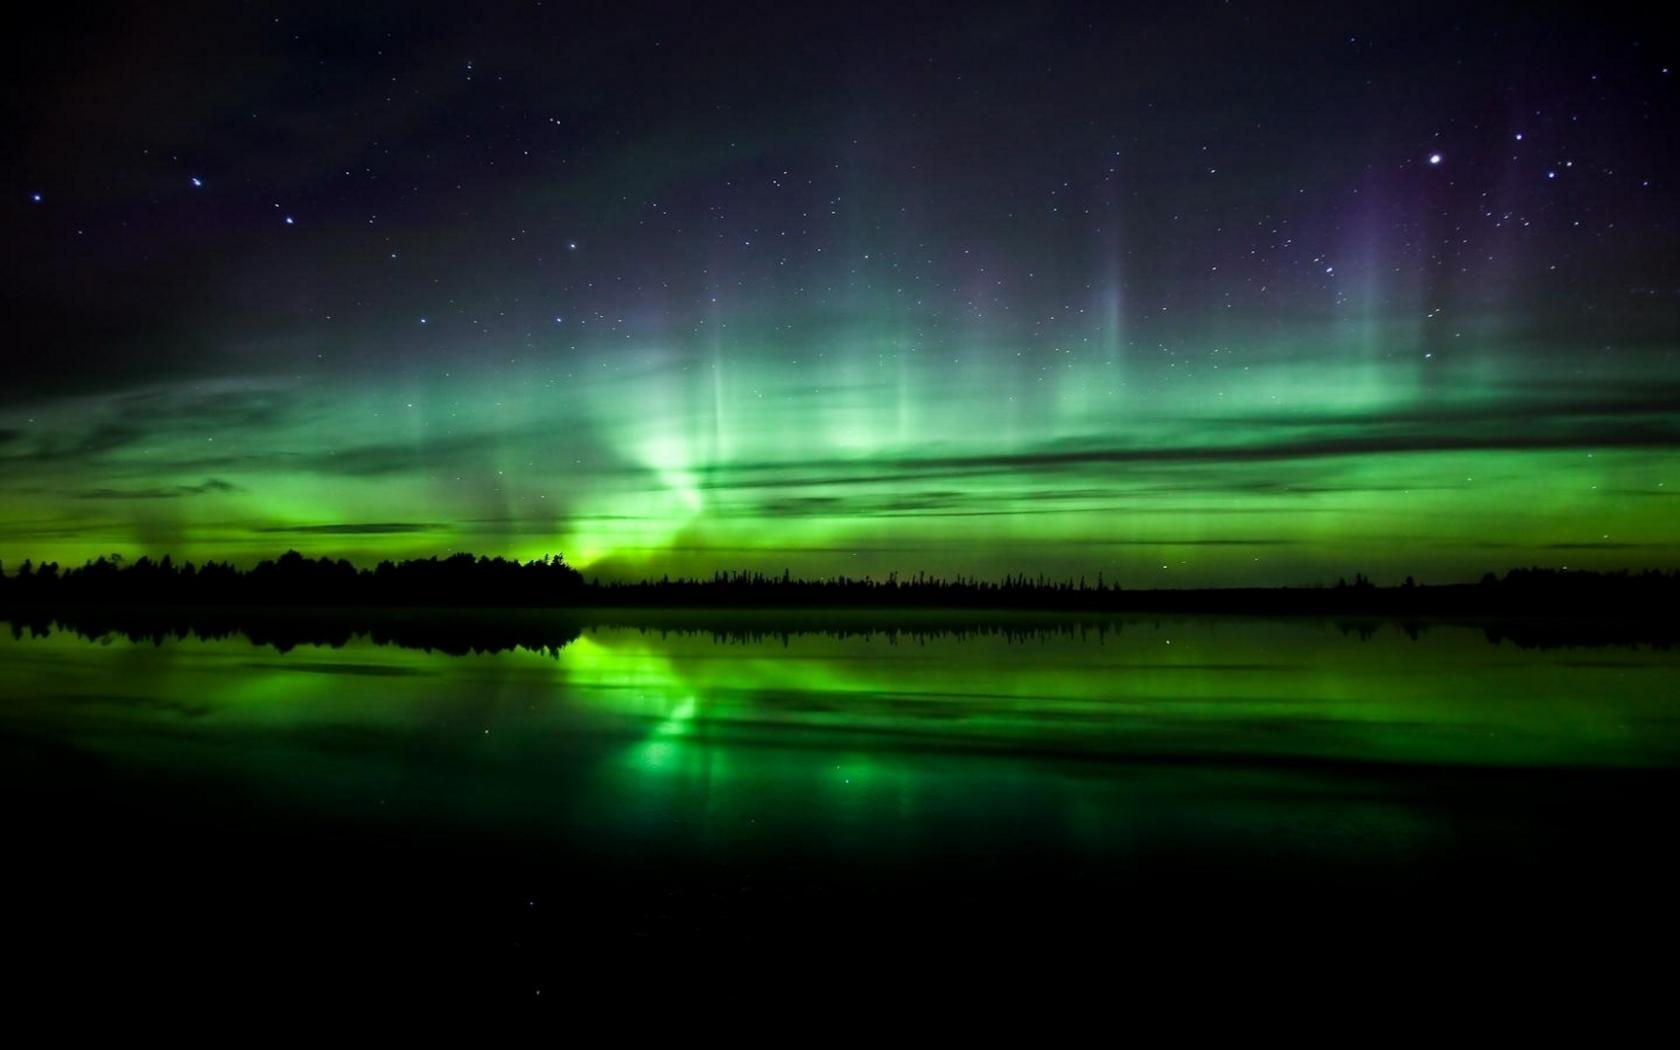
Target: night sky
x,y
1192,293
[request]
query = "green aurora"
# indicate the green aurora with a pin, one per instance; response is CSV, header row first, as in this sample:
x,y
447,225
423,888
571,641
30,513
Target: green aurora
x,y
1296,296
1279,464
670,715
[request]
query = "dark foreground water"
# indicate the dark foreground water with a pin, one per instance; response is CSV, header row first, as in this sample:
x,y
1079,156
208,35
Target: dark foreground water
x,y
372,817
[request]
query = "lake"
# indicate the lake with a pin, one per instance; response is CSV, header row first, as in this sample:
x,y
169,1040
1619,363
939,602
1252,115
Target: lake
x,y
602,786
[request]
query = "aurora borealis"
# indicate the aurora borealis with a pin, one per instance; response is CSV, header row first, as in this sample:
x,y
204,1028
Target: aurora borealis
x,y
1234,293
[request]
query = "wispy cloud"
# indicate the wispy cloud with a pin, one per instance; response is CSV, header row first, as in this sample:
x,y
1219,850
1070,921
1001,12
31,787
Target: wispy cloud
x,y
211,486
368,528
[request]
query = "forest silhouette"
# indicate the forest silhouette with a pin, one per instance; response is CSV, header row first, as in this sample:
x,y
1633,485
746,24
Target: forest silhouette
x,y
468,581
465,604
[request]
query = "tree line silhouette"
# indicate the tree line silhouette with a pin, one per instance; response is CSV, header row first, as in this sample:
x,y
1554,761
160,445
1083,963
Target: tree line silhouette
x,y
463,580
458,632
294,580
287,627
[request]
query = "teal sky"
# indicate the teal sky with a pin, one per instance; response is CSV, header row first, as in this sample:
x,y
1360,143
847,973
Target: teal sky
x,y
1183,299
1297,465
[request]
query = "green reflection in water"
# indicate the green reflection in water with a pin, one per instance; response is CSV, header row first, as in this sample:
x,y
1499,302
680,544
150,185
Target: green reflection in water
x,y
1169,689
1239,732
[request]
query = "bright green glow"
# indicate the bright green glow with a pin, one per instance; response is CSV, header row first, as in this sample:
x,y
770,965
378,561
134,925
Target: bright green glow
x,y
1300,459
1136,686
1156,687
859,743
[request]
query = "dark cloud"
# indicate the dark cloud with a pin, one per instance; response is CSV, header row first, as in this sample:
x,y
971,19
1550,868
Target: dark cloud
x,y
153,414
887,505
56,530
424,455
1024,498
1272,542
373,528
212,486
1538,403
1655,435
433,453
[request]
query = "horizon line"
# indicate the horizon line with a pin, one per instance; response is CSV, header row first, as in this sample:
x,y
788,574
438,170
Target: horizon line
x,y
1089,581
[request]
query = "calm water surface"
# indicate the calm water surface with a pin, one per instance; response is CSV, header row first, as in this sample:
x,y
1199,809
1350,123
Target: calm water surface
x,y
799,783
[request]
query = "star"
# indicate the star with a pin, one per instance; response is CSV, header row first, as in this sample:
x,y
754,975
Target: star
x,y
289,221
36,197
197,182
1434,158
